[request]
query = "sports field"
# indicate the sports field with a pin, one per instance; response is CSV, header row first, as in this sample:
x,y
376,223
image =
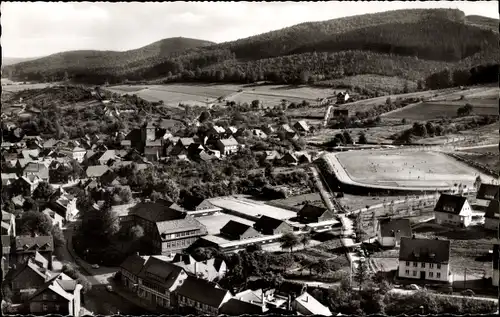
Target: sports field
x,y
401,169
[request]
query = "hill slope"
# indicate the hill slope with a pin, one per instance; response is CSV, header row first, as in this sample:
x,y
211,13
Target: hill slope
x,y
14,60
410,44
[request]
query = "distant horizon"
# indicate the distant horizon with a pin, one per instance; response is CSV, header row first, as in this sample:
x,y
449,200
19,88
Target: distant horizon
x,y
38,29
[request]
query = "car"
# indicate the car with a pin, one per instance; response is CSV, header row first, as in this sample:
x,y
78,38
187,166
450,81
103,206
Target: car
x,y
95,266
109,288
468,292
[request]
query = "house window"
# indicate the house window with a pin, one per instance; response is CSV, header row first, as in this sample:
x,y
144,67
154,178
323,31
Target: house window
x,y
431,274
407,263
44,296
415,264
431,265
414,273
407,272
422,265
45,307
438,275
439,266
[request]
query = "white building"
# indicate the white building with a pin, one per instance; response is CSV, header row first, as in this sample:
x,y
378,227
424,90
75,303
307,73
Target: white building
x,y
390,231
227,146
77,153
453,210
492,215
425,259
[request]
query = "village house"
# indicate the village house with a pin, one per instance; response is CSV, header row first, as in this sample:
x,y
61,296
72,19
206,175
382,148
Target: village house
x,y
157,280
37,169
290,159
76,153
227,146
106,157
494,276
390,231
425,259
210,270
8,179
130,269
310,214
65,205
258,133
301,126
8,224
27,277
492,215
488,192
56,219
453,210
234,230
95,172
305,304
271,226
30,154
197,296
181,147
26,247
26,185
342,97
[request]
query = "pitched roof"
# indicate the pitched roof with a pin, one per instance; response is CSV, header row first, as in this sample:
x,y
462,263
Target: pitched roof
x,y
186,141
42,243
287,128
96,170
156,211
202,291
133,264
311,305
266,223
53,285
424,250
488,191
29,154
311,211
229,141
289,288
302,124
450,203
184,258
171,226
160,271
108,155
234,228
6,216
390,227
493,210
236,307
29,264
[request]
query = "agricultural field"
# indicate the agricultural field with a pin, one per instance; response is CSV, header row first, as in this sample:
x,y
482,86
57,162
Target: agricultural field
x,y
435,110
403,169
372,82
19,87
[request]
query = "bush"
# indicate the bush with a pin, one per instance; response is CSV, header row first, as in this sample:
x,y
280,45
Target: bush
x,y
76,275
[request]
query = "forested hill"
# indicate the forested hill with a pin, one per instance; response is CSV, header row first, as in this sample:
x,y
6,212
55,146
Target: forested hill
x,y
410,44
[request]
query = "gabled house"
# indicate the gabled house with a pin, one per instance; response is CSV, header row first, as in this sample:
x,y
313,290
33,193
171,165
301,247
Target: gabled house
x,y
290,159
181,147
488,192
238,231
106,157
227,146
197,296
57,220
26,247
453,210
306,304
26,277
76,153
130,269
310,213
26,185
492,215
301,126
37,169
286,128
425,259
157,281
494,276
271,226
390,231
8,224
202,269
65,206
96,171
152,154
342,97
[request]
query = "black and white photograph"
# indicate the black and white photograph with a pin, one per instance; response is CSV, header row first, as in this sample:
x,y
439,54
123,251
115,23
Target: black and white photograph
x,y
250,158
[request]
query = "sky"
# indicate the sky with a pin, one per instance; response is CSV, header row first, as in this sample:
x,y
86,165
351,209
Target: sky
x,y
34,29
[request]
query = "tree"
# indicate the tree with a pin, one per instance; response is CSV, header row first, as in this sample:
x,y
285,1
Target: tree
x,y
361,274
347,137
477,182
204,116
34,223
304,77
43,191
30,205
98,226
362,138
305,239
289,241
136,232
322,267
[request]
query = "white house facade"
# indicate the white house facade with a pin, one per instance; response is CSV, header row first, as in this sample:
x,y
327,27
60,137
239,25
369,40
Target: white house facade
x,y
453,210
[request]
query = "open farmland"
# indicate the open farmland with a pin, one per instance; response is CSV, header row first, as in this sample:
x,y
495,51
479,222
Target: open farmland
x,y
436,110
400,169
20,87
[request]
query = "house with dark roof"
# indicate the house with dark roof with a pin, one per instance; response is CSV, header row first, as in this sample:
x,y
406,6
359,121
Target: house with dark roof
x,y
290,159
238,307
210,270
234,230
26,278
65,206
425,259
271,226
310,213
492,215
158,280
390,231
494,275
301,126
453,210
26,185
488,192
181,147
37,169
200,297
130,269
26,247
